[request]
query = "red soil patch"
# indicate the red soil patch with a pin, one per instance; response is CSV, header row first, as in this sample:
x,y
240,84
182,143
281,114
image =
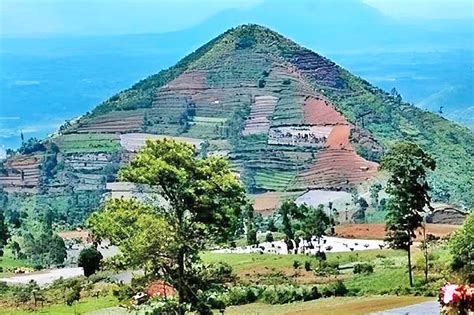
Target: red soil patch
x,y
318,112
81,235
339,138
267,202
160,288
377,231
337,169
188,81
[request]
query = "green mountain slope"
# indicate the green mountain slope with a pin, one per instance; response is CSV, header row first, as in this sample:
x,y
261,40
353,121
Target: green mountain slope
x,y
289,120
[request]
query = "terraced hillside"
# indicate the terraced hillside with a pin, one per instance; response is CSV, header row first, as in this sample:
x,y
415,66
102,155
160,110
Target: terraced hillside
x,y
288,119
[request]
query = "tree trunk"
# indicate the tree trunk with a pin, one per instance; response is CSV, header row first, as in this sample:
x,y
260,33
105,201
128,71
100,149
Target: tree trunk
x,y
425,253
409,267
181,288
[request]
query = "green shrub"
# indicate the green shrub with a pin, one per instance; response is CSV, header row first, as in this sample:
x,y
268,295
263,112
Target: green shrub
x,y
241,295
89,260
307,265
251,237
296,264
162,306
313,294
269,237
363,268
337,288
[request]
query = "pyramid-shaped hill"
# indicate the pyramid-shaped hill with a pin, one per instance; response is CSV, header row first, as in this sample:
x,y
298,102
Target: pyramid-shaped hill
x,y
288,119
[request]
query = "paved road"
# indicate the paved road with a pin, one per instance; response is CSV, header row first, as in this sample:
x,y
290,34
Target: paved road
x,y
44,277
425,308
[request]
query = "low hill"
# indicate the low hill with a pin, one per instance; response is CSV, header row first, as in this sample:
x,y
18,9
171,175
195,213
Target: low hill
x,y
289,120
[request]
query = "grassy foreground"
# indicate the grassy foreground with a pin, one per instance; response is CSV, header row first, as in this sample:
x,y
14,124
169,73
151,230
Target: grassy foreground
x,y
7,264
81,307
329,306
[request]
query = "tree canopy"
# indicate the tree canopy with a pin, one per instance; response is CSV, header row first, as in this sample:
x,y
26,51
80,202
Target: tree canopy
x,y
303,221
200,202
461,245
408,188
89,260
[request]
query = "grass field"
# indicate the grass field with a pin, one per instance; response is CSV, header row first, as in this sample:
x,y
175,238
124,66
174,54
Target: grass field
x,y
329,306
8,263
250,265
240,262
81,307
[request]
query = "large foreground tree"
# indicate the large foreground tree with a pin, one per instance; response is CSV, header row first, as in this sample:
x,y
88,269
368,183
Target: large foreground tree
x,y
200,200
408,189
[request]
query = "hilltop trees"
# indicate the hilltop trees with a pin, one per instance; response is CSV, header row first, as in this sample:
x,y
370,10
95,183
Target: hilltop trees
x,y
408,189
202,203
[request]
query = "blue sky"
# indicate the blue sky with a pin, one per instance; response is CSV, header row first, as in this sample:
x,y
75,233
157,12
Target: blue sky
x,y
104,17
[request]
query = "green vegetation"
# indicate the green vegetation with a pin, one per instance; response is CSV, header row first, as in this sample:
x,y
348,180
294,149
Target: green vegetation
x,y
204,203
9,264
88,143
462,247
89,259
62,297
32,145
243,262
302,221
391,120
408,189
243,60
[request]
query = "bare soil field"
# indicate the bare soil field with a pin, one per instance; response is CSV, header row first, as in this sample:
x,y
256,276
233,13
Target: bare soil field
x,y
318,112
377,230
81,235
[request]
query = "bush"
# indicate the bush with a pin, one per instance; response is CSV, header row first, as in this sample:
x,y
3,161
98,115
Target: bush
x,y
251,237
89,259
162,306
363,268
269,237
337,288
340,288
307,265
241,295
296,264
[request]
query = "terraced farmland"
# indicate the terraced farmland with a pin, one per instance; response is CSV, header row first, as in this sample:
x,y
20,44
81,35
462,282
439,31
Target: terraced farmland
x,y
337,169
22,173
275,180
88,143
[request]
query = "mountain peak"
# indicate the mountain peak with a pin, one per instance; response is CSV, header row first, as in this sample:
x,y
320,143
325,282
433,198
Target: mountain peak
x,y
287,118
